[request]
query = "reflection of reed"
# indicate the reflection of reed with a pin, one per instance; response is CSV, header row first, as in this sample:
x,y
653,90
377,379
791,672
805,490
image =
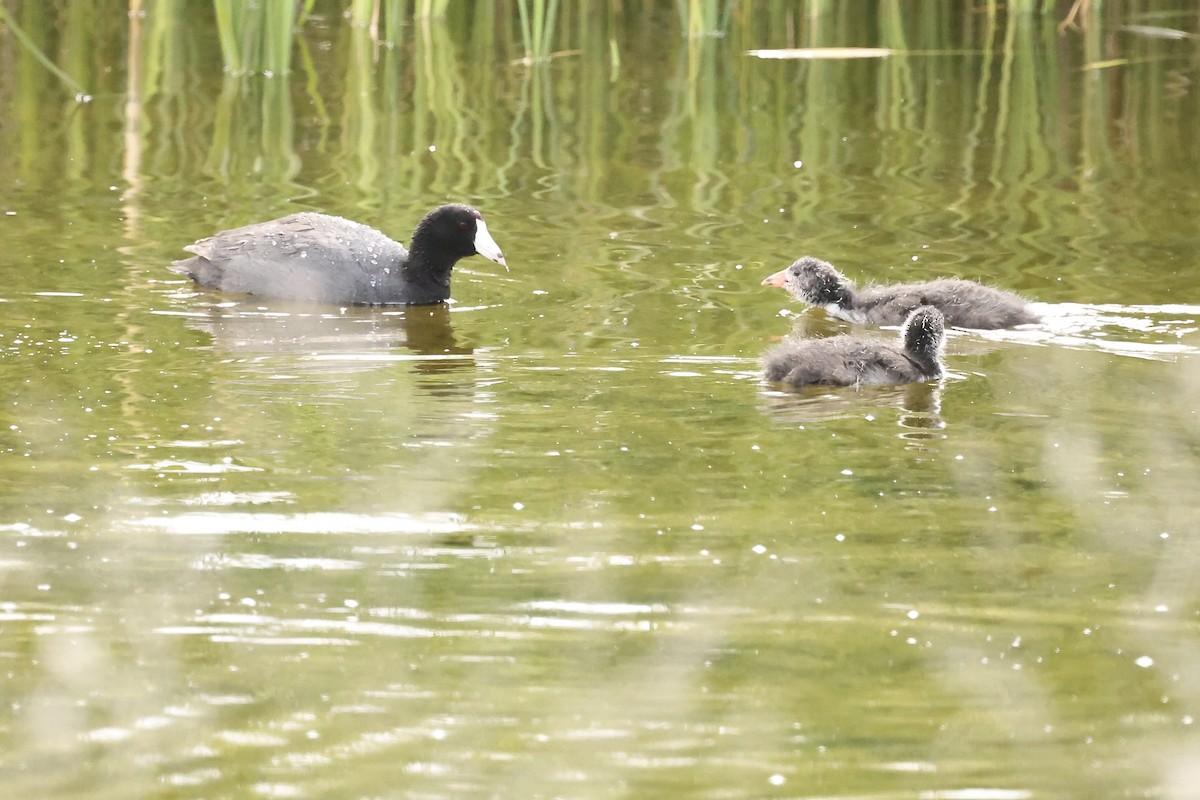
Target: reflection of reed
x,y
77,18
255,37
705,17
690,143
537,27
247,105
131,169
449,85
705,155
543,122
360,123
440,113
896,83
975,133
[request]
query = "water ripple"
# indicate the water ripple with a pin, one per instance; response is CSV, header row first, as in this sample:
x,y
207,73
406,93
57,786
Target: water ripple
x,y
215,524
1155,332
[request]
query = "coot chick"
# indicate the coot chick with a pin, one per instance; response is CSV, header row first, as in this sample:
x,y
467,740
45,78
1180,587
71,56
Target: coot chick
x,y
849,361
325,259
965,304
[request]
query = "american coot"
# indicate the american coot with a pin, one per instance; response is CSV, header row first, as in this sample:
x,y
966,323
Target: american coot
x,y
965,304
325,259
848,361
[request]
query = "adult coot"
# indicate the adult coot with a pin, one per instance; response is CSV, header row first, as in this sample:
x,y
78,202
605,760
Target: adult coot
x,y
325,259
965,304
848,361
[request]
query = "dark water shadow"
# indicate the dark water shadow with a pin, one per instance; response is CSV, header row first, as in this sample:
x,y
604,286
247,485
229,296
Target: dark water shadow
x,y
327,353
919,404
347,336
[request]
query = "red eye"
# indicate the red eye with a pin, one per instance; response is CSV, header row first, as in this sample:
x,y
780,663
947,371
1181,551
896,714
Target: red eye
x,y
462,226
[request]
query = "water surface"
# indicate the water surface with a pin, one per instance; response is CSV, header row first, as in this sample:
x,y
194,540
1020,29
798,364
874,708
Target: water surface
x,y
558,539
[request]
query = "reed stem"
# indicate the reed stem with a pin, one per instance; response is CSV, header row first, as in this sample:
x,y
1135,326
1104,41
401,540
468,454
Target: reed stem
x,y
37,53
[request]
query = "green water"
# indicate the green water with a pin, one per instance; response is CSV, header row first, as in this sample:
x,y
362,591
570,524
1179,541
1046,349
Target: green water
x,y
559,540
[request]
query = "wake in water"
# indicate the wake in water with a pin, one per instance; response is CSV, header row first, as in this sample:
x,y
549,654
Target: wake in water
x,y
1155,332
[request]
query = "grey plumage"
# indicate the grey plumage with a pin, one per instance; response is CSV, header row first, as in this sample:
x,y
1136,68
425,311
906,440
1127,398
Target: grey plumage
x,y
325,259
964,304
851,361
305,256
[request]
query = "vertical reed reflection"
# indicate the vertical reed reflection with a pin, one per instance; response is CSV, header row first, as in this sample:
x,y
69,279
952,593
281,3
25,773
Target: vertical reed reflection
x,y
253,131
704,114
449,126
360,120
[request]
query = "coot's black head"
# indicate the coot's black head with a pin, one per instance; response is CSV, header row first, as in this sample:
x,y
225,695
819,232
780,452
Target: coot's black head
x,y
813,281
454,231
924,334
